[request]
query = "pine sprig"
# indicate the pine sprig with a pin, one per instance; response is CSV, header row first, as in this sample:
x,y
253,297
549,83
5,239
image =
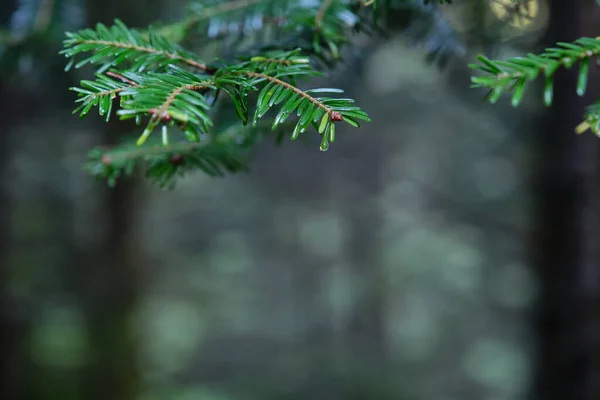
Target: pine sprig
x,y
101,92
157,77
178,97
514,74
319,27
200,13
276,79
320,111
164,86
226,151
158,81
125,47
175,97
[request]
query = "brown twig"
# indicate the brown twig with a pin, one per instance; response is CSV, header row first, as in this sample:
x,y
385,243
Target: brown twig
x,y
122,78
162,113
333,115
151,50
321,14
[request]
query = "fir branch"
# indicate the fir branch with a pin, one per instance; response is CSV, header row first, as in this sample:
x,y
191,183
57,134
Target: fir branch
x,y
207,10
161,81
321,112
177,96
144,49
115,46
164,112
226,151
102,92
120,155
333,115
320,27
515,73
272,60
169,98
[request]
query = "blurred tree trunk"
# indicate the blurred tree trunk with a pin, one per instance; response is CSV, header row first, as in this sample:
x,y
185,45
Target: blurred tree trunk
x,y
110,292
12,327
589,278
567,249
113,281
11,357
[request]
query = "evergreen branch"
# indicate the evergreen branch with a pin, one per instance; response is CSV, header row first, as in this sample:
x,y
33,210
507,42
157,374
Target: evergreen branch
x,y
333,115
177,97
227,151
102,92
320,27
151,82
514,74
142,49
321,112
115,46
127,153
272,60
274,75
207,10
169,98
163,112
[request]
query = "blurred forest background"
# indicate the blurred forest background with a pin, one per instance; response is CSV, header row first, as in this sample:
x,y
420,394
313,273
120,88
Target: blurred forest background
x,y
449,250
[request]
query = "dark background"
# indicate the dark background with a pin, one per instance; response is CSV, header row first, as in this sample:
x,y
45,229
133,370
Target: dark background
x,y
448,250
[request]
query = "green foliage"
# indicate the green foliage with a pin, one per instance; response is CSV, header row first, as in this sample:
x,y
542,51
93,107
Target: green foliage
x,y
514,74
120,45
226,152
149,77
250,60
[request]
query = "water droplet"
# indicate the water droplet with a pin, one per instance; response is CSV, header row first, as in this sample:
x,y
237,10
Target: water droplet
x,y
324,146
